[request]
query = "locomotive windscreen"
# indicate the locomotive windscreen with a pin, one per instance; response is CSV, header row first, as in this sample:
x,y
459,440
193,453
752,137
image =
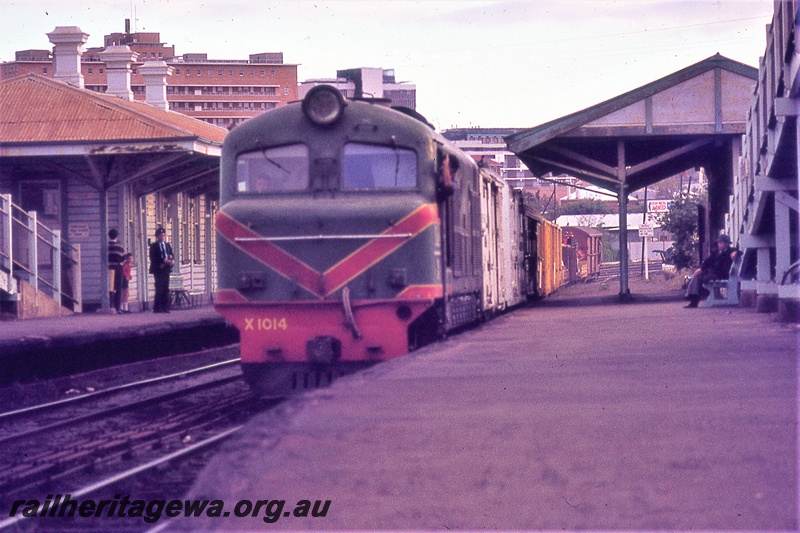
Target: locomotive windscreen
x,y
379,167
280,169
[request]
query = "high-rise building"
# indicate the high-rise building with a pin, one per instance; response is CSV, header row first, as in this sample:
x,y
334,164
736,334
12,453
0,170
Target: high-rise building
x,y
368,83
221,92
488,144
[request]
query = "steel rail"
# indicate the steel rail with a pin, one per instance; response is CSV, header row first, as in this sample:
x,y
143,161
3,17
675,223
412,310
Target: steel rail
x,y
137,470
105,392
120,408
192,422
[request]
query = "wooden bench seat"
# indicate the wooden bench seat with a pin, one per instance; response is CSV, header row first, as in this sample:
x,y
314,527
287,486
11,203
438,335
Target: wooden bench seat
x,y
723,292
179,296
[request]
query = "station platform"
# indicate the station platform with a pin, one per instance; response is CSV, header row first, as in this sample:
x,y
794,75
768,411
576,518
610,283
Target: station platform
x,y
49,347
642,416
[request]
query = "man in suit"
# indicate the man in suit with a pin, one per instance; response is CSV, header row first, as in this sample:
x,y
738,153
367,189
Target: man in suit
x,y
161,260
115,253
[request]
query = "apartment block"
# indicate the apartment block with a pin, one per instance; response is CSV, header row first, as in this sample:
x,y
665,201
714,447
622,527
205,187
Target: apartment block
x,y
222,92
368,83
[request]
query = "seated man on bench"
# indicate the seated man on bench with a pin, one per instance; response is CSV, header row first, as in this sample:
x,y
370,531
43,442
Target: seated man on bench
x,y
716,266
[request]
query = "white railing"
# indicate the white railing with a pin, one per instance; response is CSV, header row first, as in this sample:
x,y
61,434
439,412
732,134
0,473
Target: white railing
x,y
31,251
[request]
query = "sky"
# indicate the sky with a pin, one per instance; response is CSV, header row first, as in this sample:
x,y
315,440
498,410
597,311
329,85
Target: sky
x,y
475,63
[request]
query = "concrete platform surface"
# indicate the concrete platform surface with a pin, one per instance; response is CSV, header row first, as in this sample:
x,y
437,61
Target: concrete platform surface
x,y
636,417
46,347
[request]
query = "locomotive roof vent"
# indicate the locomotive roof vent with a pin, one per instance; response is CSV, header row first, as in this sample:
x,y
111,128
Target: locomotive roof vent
x,y
323,105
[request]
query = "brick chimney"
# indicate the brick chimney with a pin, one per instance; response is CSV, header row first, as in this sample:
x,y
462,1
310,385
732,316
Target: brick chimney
x,y
118,61
155,83
68,44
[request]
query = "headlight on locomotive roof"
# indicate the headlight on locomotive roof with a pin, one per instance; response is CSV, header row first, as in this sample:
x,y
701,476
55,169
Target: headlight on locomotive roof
x,y
323,105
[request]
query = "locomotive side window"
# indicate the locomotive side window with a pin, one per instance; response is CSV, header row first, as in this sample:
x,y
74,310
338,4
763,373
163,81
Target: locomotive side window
x,y
279,169
379,167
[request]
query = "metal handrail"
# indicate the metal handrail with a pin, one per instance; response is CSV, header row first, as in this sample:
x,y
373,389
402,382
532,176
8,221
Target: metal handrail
x,y
793,269
21,233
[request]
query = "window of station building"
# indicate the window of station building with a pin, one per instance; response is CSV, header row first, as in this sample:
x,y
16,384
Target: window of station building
x,y
230,72
252,72
177,71
101,71
368,166
286,91
210,72
90,70
198,204
219,72
241,72
280,169
272,73
198,72
44,70
184,225
262,72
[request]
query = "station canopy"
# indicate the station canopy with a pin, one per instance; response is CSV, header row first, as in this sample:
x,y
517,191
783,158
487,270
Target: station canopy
x,y
49,128
682,121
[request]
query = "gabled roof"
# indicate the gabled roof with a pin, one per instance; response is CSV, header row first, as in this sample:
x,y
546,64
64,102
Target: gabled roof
x,y
37,109
529,138
48,125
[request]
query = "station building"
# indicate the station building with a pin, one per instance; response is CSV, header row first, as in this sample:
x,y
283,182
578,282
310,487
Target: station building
x,y
763,212
75,163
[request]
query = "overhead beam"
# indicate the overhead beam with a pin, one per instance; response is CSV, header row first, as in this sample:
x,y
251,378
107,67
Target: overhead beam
x,y
164,164
569,168
172,183
191,182
99,175
644,165
78,149
588,161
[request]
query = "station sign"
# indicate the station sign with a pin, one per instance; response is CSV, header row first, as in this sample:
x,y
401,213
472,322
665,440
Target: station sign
x,y
78,230
658,206
645,230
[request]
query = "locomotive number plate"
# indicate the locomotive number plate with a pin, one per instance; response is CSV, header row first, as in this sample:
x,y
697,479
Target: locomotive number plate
x,y
265,324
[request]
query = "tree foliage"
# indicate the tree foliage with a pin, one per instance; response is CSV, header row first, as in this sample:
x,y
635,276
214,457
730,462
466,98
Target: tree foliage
x,y
682,222
585,206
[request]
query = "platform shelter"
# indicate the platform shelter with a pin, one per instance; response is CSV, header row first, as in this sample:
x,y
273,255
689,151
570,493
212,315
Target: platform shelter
x,y
694,117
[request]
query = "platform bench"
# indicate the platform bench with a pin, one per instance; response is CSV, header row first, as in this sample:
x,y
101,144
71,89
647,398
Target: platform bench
x,y
724,292
178,295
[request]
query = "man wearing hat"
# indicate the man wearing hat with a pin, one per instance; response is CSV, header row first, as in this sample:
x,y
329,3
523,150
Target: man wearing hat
x,y
716,266
161,260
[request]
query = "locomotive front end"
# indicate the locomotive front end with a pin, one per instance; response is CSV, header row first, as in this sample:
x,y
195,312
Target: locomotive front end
x,y
328,238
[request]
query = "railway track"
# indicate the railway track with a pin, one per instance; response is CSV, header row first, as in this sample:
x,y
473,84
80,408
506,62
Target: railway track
x,y
89,442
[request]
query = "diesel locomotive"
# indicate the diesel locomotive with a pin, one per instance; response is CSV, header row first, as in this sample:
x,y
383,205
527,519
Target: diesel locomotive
x,y
350,232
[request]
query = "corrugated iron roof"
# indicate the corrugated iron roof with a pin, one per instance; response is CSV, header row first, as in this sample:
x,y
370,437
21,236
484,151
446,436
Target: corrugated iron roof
x,y
37,109
530,138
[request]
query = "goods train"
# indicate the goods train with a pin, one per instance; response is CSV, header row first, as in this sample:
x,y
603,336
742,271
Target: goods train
x,y
582,253
350,232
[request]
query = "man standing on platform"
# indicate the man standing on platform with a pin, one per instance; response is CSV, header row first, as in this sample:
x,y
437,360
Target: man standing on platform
x,y
161,260
115,253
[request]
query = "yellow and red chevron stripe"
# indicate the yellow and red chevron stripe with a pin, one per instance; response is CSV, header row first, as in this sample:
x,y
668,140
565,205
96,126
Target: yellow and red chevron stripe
x,y
377,249
349,268
267,253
